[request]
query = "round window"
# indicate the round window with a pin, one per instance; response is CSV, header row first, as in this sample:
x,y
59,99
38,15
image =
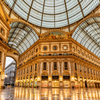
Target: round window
x,y
73,49
55,48
45,48
37,50
65,47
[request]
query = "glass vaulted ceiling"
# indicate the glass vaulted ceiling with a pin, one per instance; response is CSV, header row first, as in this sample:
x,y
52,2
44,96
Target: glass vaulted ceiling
x,y
88,34
52,13
21,37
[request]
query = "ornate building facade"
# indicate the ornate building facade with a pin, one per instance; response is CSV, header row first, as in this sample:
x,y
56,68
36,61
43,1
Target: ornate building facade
x,y
58,61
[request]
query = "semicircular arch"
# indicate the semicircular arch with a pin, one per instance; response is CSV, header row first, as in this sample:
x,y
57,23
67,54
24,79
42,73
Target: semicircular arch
x,y
90,16
87,33
28,24
21,37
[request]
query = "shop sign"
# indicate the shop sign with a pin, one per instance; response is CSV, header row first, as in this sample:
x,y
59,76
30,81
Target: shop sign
x,y
44,77
55,77
66,77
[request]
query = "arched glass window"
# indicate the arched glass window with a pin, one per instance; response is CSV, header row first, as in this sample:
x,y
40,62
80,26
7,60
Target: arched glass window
x,y
21,37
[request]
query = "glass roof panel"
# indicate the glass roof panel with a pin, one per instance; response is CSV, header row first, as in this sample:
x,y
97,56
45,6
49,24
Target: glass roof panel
x,y
88,35
46,13
22,37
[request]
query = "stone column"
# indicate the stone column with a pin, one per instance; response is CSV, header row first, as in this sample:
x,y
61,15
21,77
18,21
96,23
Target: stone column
x,y
38,75
72,78
33,75
50,75
60,74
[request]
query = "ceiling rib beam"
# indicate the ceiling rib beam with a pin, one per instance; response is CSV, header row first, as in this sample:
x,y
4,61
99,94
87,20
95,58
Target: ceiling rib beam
x,y
42,17
12,8
81,8
14,31
25,38
54,14
30,9
67,15
89,38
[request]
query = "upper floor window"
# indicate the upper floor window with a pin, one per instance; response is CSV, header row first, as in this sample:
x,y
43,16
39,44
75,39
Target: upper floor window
x,y
27,69
31,69
2,30
37,50
75,67
54,47
44,66
80,67
35,67
66,65
55,65
44,48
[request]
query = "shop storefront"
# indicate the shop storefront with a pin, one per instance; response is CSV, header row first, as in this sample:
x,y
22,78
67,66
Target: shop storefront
x,y
66,80
35,81
55,81
81,81
30,83
26,83
23,84
20,84
88,83
44,82
76,80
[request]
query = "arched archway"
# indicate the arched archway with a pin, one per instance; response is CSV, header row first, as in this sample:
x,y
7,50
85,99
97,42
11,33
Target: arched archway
x,y
15,57
21,36
90,16
28,24
10,71
87,33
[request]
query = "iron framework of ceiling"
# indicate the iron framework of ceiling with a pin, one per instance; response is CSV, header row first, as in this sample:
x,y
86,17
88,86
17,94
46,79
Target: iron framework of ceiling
x,y
21,37
52,13
88,35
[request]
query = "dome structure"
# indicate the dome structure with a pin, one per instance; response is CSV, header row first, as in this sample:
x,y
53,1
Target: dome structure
x,y
52,13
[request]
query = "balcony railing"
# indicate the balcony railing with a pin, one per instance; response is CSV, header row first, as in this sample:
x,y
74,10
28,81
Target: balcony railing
x,y
67,54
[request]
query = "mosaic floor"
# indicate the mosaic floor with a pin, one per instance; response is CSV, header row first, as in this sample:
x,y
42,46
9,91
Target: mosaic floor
x,y
49,94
